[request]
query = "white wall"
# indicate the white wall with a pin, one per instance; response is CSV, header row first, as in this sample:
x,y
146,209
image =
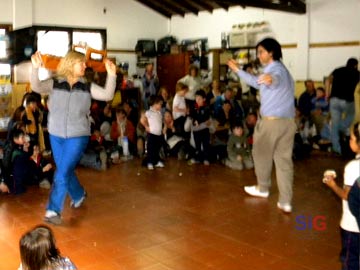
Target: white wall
x,y
6,11
325,21
332,21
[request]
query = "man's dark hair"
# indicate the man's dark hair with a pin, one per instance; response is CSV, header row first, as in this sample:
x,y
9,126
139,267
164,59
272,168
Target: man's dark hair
x,y
352,63
272,46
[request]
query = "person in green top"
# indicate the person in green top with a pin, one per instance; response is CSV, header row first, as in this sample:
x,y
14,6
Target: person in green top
x,y
238,149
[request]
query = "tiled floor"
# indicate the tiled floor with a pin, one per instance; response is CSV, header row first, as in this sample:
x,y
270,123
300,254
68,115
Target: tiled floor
x,y
185,217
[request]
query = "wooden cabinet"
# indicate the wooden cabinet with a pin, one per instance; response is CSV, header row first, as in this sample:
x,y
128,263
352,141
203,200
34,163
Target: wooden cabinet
x,y
172,67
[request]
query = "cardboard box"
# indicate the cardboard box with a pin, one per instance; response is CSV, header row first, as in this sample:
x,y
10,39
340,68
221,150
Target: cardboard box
x,y
242,39
175,49
225,57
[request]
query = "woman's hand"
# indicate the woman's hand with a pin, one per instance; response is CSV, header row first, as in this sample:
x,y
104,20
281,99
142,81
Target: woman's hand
x,y
110,67
36,60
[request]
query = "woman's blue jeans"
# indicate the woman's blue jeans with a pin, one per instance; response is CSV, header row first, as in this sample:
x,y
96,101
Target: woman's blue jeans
x,y
67,153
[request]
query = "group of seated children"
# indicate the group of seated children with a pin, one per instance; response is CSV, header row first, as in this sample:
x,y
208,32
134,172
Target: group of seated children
x,y
22,163
197,132
22,166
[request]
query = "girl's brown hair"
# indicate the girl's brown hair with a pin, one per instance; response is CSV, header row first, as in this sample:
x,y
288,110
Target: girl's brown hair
x,y
37,249
356,131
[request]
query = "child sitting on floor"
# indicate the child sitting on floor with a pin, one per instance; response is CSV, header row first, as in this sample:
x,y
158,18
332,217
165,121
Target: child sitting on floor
x,y
238,149
41,169
38,251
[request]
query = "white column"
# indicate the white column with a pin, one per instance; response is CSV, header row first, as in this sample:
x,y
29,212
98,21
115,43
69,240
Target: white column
x,y
303,41
22,13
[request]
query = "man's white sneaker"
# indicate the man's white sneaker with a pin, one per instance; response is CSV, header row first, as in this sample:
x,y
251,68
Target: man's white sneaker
x,y
159,165
285,207
254,191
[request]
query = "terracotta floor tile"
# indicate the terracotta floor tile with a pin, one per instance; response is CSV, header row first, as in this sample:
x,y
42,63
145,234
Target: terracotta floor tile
x,y
184,262
135,261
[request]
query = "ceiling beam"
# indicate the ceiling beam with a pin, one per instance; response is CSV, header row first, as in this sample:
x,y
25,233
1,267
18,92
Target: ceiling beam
x,y
185,5
152,5
174,6
193,4
221,4
203,5
301,4
282,5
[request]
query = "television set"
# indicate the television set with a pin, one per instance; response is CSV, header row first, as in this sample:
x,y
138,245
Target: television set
x,y
21,44
146,48
164,44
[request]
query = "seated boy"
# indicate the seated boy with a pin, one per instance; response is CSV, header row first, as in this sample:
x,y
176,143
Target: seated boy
x,y
19,162
41,169
95,155
239,154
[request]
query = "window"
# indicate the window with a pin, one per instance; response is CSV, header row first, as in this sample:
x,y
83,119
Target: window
x,y
2,43
53,42
91,39
5,69
58,40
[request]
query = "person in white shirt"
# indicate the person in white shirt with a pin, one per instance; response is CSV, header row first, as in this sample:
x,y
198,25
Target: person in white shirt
x,y
179,108
193,81
350,234
152,121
